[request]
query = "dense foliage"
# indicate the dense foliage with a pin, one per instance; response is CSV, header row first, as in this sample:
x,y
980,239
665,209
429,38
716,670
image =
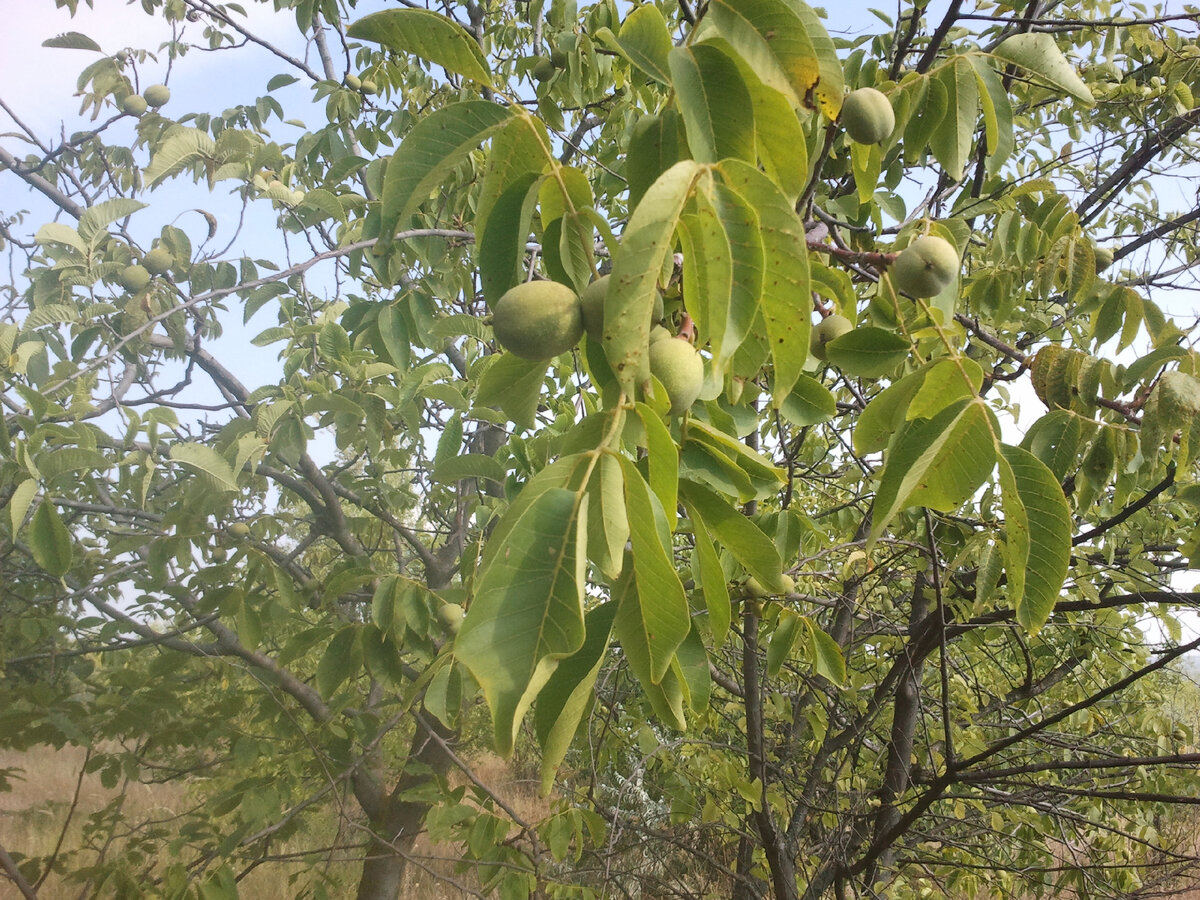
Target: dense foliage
x,y
891,609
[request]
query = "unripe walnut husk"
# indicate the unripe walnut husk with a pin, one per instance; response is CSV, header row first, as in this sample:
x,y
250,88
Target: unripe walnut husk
x,y
157,95
926,267
134,105
828,329
592,300
680,369
134,278
353,82
543,69
158,261
867,116
538,320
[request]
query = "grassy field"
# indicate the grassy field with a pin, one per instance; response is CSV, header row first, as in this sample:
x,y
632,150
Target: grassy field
x,y
53,789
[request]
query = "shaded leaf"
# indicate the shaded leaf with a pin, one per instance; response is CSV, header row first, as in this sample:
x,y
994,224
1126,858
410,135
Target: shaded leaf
x,y
49,540
427,35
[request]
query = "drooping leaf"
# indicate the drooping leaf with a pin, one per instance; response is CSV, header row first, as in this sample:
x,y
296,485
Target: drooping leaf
x,y
427,35
468,465
708,277
743,539
657,623
49,540
527,609
786,289
951,141
809,403
568,693
341,659
662,455
708,573
608,519
936,463
646,243
502,240
717,108
179,149
1038,54
432,149
514,385
645,41
825,653
1037,525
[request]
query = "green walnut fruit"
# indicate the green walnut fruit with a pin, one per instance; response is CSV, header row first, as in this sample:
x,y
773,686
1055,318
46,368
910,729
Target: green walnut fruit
x,y
559,59
592,302
158,261
538,320
239,530
134,105
828,329
353,82
867,116
678,365
157,95
659,333
543,69
1104,258
451,616
369,87
134,278
926,267
783,584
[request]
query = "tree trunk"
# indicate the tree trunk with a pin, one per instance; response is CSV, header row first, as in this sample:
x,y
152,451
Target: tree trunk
x,y
395,822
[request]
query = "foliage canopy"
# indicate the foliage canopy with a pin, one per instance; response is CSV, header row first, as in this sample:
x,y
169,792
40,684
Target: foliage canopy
x,y
841,627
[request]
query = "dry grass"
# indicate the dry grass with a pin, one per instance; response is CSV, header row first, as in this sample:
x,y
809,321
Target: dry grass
x,y
33,813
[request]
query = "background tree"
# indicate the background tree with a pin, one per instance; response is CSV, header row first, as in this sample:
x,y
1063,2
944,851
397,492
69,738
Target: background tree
x,y
819,623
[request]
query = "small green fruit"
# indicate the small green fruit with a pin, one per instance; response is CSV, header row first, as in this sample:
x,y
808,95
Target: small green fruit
x,y
134,278
538,320
353,82
592,301
559,59
926,267
783,584
134,105
1104,258
543,69
451,616
158,261
867,116
680,368
828,329
239,530
157,95
659,333
369,87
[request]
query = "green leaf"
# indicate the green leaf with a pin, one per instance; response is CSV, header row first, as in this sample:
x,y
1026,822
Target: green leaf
x,y
568,693
430,151
427,35
608,520
809,403
657,143
61,233
945,382
1037,524
19,502
734,532
997,114
708,279
502,240
527,609
825,653
717,108
325,202
469,465
885,414
786,287
652,628
666,695
518,148
1038,54
393,332
97,218
663,457
936,463
647,241
645,41
49,540
208,462
710,576
342,658
783,638
179,149
951,140
72,40
785,43
514,385
867,352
